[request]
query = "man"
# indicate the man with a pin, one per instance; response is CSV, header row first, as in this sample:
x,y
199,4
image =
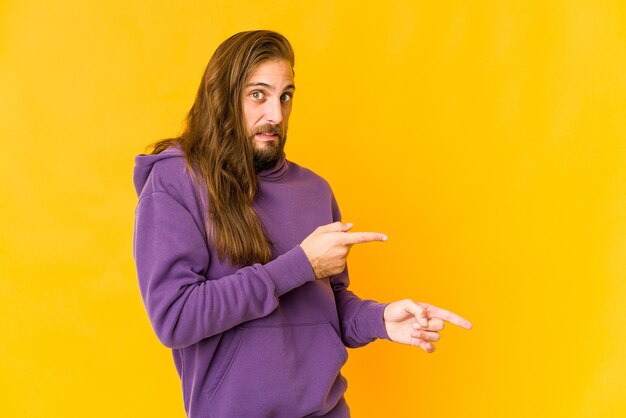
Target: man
x,y
241,254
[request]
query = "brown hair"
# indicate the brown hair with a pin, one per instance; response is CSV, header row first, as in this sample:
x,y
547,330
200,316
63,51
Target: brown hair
x,y
217,148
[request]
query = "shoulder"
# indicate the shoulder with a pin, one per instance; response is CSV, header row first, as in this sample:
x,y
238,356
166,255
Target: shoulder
x,y
167,189
168,173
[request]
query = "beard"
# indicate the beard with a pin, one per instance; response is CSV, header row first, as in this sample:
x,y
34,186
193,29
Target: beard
x,y
270,152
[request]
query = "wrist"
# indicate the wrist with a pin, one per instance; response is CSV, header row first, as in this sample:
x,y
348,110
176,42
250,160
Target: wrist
x,y
313,262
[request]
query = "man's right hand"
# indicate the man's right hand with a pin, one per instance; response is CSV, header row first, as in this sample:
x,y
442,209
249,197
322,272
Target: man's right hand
x,y
328,246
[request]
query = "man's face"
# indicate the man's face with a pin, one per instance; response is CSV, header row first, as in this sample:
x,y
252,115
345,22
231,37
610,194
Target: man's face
x,y
267,101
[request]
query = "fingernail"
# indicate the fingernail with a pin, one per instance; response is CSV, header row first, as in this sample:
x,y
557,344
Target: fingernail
x,y
423,322
385,238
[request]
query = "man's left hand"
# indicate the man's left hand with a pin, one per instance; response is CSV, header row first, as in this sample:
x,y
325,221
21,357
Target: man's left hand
x,y
418,323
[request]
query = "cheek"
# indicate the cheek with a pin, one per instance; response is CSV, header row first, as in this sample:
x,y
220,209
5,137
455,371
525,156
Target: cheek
x,y
286,114
251,117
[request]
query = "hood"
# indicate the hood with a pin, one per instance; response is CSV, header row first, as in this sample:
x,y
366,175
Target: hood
x,y
145,162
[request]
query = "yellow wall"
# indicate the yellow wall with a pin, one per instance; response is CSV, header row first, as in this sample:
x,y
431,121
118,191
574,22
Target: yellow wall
x,y
486,138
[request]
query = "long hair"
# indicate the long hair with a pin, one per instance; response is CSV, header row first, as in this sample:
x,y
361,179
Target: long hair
x,y
218,151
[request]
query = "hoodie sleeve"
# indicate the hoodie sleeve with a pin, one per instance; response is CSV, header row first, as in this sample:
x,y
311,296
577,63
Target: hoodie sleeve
x,y
183,306
361,320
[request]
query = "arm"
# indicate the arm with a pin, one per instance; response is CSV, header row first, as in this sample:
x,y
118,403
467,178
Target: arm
x,y
404,321
183,306
361,320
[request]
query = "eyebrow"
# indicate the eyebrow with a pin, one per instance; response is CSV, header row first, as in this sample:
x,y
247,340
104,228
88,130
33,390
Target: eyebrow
x,y
267,86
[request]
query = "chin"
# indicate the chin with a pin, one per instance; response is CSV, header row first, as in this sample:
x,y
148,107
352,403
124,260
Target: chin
x,y
265,144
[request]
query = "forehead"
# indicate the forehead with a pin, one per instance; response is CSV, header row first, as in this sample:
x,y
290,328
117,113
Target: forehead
x,y
272,71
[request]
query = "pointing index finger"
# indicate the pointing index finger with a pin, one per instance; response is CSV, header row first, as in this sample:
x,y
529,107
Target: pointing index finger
x,y
434,311
351,238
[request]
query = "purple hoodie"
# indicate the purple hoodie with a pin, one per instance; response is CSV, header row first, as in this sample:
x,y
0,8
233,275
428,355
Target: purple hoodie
x,y
259,341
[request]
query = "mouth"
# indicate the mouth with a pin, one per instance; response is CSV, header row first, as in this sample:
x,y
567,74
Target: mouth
x,y
267,136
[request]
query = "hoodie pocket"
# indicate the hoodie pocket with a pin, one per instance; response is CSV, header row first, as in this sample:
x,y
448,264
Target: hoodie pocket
x,y
283,371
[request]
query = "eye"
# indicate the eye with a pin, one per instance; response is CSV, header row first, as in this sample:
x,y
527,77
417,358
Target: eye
x,y
286,97
257,95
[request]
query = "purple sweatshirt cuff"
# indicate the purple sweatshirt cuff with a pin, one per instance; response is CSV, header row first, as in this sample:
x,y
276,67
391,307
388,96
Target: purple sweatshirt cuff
x,y
371,320
289,270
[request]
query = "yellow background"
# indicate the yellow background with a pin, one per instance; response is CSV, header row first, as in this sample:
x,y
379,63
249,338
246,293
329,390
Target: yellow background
x,y
486,138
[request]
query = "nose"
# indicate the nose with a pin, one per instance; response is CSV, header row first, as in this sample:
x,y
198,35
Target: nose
x,y
274,111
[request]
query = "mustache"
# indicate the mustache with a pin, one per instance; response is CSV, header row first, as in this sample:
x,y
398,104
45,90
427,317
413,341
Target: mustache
x,y
269,128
